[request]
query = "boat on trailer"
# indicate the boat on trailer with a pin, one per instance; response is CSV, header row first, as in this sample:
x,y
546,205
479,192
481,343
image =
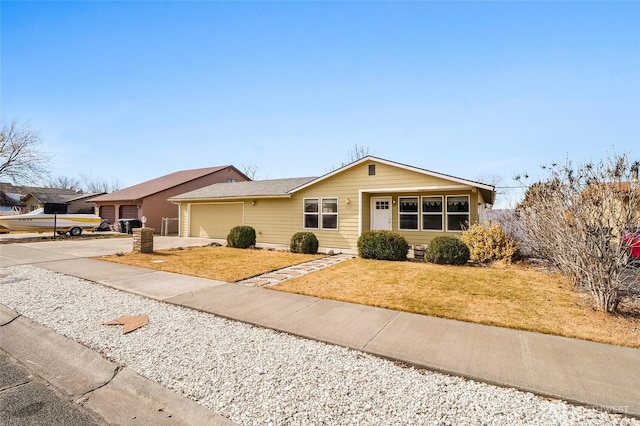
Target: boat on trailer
x,y
39,221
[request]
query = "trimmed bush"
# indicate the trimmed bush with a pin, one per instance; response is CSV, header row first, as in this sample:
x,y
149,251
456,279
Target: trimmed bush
x,y
447,251
489,242
241,237
382,245
304,242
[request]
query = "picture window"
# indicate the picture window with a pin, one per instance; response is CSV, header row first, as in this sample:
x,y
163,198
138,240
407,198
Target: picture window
x,y
457,212
320,213
408,213
432,213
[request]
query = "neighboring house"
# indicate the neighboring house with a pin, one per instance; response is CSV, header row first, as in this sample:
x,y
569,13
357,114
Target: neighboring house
x,y
76,203
371,193
10,203
9,188
34,197
149,199
23,193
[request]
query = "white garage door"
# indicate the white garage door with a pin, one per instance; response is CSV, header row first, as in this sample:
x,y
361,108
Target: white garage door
x,y
214,220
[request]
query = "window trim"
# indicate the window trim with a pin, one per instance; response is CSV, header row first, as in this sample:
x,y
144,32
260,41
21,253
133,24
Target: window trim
x,y
320,213
468,213
305,213
417,214
329,213
442,213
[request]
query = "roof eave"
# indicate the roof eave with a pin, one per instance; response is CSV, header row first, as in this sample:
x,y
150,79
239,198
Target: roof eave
x,y
233,198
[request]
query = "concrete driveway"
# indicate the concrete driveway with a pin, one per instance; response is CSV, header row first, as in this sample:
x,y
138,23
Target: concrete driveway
x,y
70,248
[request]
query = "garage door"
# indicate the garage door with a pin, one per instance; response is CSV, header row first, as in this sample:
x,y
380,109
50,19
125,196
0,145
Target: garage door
x,y
214,220
109,213
129,212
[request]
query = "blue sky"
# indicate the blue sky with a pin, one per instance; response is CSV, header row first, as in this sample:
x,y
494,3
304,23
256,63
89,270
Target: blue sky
x,y
136,90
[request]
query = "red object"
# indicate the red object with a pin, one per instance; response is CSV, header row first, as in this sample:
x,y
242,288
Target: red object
x,y
633,240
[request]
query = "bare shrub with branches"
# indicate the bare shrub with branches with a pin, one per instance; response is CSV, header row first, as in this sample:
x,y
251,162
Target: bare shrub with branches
x,y
578,219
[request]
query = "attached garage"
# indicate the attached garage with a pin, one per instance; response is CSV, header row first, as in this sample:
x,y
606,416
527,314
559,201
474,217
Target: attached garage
x,y
129,212
214,220
109,213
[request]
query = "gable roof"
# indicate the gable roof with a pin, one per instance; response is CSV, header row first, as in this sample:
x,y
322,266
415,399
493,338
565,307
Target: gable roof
x,y
47,197
258,188
286,187
10,188
86,196
153,186
402,166
487,191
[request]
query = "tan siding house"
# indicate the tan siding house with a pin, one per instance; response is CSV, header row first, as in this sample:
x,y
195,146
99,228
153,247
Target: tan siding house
x,y
149,199
371,193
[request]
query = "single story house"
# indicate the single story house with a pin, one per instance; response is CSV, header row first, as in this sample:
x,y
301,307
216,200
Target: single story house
x,y
149,199
368,194
76,203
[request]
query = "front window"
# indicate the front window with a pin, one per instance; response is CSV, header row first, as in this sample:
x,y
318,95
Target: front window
x,y
325,217
311,214
408,211
457,212
432,214
329,213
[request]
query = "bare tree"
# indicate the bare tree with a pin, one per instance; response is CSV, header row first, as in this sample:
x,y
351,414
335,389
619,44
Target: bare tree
x,y
20,161
494,180
65,182
99,184
356,153
490,179
580,218
251,171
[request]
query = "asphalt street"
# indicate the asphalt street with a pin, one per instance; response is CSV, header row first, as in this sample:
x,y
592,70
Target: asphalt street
x,y
26,399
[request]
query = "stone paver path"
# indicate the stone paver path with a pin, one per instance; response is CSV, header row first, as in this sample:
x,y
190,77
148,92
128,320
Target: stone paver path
x,y
275,277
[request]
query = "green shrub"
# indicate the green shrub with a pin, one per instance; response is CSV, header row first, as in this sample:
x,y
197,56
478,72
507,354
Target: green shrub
x,y
447,251
489,242
382,245
304,242
241,237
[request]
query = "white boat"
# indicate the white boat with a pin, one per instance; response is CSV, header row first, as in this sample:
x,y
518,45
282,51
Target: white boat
x,y
39,221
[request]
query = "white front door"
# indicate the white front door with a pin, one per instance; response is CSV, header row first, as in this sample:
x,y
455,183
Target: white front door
x,y
380,213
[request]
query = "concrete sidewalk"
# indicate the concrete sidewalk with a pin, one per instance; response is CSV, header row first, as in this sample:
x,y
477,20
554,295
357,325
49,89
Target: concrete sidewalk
x,y
594,374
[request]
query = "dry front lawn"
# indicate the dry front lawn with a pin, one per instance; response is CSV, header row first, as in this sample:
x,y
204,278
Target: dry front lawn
x,y
503,295
214,263
511,296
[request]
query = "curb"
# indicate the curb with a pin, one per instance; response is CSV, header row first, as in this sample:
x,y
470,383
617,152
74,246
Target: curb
x,y
117,395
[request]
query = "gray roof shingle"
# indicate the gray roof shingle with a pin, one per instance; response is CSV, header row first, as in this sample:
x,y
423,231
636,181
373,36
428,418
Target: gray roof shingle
x,y
258,188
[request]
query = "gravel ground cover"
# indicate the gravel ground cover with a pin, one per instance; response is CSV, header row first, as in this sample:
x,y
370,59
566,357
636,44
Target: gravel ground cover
x,y
259,376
